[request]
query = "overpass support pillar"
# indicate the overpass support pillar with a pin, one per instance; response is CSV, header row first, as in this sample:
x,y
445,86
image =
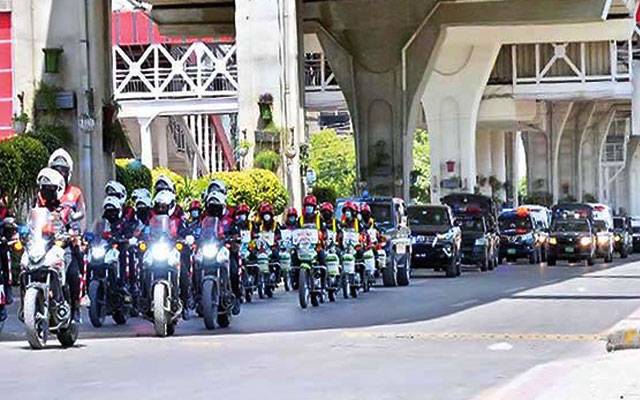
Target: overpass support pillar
x,y
451,103
483,161
269,59
498,163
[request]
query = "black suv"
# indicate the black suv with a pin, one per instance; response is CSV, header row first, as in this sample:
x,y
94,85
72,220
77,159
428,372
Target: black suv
x,y
471,206
519,236
571,239
435,239
390,217
622,236
477,237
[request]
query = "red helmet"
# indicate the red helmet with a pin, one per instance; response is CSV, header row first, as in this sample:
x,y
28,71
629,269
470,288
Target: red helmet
x,y
242,209
195,205
310,200
265,208
326,206
349,205
364,208
292,211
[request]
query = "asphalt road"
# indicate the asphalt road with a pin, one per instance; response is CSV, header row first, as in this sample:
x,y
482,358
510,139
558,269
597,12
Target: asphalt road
x,y
436,339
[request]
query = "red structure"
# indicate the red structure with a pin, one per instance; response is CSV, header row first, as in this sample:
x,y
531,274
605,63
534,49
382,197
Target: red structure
x,y
6,76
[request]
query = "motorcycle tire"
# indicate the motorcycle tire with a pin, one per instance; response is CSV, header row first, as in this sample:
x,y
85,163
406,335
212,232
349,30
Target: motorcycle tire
x,y
345,286
287,282
404,276
160,318
224,319
68,336
96,306
209,303
37,331
119,318
303,288
315,299
353,290
332,295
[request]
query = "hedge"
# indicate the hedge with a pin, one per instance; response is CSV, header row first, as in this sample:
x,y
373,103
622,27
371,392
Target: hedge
x,y
252,186
133,174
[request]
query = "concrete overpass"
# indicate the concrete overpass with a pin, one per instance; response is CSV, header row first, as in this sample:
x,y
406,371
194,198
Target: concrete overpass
x,y
402,62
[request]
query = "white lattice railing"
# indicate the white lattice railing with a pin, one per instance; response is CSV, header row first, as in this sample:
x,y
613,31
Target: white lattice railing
x,y
161,71
573,62
196,70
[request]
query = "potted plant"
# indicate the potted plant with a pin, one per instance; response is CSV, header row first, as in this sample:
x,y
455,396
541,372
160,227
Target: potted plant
x,y
20,122
243,148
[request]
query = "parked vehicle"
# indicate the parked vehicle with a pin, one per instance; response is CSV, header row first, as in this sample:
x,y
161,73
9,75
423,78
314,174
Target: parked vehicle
x,y
391,220
572,239
520,236
635,227
435,239
470,206
622,236
46,303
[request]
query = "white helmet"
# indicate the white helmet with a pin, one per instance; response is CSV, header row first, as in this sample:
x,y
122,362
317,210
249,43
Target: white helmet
x,y
116,189
51,184
165,202
139,194
164,183
143,202
216,185
112,203
62,162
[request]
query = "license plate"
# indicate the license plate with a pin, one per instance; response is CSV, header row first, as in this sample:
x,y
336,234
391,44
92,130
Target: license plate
x,y
569,249
511,251
400,250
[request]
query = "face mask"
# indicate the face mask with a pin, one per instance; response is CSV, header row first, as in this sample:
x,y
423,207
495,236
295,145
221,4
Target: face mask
x,y
49,195
292,220
142,213
347,214
267,217
360,217
309,210
195,214
242,217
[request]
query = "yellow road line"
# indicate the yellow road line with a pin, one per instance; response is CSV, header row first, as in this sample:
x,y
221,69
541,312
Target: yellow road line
x,y
543,337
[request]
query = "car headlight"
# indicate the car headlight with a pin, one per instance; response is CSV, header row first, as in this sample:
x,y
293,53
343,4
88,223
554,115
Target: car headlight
x,y
209,250
553,241
161,251
481,242
585,241
603,240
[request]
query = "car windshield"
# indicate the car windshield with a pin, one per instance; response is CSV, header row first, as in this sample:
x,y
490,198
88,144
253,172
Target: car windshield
x,y
599,226
472,225
428,216
382,214
512,222
575,225
618,223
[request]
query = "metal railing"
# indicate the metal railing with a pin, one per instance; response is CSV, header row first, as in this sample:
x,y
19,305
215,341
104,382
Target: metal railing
x,y
195,70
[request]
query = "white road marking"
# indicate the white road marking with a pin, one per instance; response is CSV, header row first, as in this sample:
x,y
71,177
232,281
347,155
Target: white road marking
x,y
501,346
515,289
465,303
582,290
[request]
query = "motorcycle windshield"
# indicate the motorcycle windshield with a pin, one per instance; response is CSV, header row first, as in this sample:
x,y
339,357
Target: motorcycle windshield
x,y
209,228
40,223
160,227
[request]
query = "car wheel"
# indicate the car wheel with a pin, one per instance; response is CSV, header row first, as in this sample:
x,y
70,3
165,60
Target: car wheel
x,y
389,278
551,261
452,268
484,264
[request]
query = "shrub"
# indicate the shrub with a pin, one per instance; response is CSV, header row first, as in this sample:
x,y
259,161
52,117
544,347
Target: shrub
x,y
267,159
49,141
333,158
325,194
33,156
10,165
133,174
268,188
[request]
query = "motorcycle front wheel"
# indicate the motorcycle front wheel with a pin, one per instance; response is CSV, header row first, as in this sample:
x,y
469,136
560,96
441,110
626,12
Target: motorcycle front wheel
x,y
36,324
160,315
96,306
303,288
209,303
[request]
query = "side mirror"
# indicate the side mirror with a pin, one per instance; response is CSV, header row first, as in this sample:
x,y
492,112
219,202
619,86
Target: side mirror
x,y
89,237
9,221
189,240
23,230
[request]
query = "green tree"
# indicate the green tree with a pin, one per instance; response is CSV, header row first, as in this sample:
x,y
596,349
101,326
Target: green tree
x,y
333,158
421,174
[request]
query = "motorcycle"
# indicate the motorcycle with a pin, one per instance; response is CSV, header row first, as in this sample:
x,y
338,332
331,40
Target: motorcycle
x,y
46,304
284,256
311,275
213,293
106,297
269,268
251,271
332,260
351,279
160,301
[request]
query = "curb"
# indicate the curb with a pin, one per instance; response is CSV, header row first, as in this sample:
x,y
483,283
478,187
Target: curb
x,y
625,334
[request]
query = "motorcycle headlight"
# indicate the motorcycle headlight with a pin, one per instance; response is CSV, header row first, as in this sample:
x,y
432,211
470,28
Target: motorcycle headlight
x,y
481,242
98,253
209,251
617,238
585,241
553,241
223,256
161,251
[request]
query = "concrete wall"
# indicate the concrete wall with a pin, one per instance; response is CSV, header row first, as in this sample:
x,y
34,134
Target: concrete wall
x,y
42,24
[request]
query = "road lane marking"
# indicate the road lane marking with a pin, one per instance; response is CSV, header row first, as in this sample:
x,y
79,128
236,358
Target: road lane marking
x,y
515,289
500,346
439,336
465,303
